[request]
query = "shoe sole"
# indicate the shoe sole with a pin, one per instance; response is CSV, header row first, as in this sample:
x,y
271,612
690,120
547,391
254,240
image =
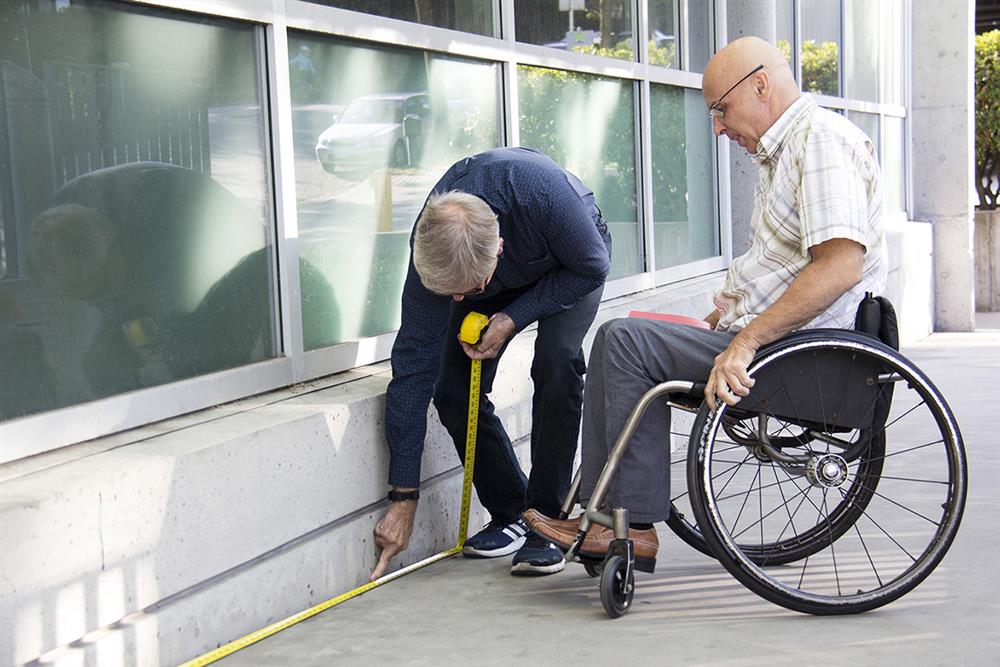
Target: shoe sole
x,y
472,552
529,570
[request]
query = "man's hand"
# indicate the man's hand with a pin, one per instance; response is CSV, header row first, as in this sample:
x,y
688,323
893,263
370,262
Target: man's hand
x,y
728,379
501,328
392,534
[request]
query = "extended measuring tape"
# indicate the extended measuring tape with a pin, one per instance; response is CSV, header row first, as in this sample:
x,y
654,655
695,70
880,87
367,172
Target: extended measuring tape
x,y
471,331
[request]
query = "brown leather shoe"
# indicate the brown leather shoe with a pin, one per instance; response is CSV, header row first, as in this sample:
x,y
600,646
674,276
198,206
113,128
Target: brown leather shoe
x,y
598,539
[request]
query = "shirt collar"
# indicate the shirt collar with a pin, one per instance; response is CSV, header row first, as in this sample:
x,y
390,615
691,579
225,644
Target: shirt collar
x,y
769,146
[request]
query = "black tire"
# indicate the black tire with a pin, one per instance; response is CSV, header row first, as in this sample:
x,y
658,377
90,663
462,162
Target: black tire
x,y
876,544
616,589
593,569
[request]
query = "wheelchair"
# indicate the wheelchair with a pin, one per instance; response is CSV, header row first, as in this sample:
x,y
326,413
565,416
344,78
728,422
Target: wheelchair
x,y
835,487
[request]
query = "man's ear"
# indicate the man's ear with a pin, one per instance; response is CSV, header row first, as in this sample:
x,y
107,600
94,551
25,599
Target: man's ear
x,y
762,85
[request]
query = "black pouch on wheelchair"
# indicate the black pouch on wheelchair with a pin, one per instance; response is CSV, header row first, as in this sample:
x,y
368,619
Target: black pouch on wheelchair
x,y
788,388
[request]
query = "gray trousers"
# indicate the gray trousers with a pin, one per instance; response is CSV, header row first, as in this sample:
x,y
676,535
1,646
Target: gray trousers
x,y
630,356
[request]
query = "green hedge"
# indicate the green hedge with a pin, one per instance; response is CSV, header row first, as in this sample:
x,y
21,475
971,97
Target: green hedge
x,y
988,119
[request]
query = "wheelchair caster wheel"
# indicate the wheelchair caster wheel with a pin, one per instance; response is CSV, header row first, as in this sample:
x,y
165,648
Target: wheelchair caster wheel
x,y
593,569
616,588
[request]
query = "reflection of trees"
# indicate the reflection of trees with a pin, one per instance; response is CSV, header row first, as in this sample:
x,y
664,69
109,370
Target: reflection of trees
x,y
547,97
988,119
820,62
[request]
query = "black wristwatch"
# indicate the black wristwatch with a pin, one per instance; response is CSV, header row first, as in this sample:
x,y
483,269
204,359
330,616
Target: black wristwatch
x,y
396,496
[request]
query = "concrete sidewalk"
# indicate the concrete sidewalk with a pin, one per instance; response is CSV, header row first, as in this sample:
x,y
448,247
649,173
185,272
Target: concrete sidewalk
x,y
691,612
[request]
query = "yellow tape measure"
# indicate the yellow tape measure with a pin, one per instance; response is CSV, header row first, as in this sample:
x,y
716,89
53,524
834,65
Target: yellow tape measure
x,y
471,331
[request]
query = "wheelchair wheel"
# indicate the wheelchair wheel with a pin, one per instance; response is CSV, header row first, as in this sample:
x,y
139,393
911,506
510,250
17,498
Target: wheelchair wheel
x,y
846,508
616,589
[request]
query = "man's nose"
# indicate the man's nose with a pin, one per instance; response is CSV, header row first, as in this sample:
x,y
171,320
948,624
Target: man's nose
x,y
717,127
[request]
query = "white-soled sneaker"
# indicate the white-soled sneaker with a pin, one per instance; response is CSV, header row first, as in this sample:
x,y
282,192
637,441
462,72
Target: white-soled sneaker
x,y
496,539
537,557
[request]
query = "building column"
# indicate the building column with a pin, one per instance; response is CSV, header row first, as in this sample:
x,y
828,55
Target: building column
x,y
942,130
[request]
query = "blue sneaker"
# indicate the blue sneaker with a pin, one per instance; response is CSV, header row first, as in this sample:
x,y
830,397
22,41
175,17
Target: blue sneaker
x,y
538,556
496,539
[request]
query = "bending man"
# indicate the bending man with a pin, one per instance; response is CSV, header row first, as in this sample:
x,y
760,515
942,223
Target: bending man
x,y
510,234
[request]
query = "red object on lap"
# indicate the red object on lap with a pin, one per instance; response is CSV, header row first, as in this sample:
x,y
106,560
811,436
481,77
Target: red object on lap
x,y
669,317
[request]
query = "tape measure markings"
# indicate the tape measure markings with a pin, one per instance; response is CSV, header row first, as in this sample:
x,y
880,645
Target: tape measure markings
x,y
471,330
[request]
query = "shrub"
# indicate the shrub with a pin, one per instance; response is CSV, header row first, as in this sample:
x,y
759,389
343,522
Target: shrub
x,y
988,119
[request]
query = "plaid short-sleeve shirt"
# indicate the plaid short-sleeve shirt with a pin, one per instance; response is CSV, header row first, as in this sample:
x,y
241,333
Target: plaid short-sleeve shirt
x,y
819,180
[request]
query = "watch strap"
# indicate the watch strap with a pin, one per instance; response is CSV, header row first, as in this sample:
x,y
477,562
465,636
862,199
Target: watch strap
x,y
397,496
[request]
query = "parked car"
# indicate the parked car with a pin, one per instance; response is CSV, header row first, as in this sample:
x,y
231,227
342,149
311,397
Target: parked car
x,y
376,131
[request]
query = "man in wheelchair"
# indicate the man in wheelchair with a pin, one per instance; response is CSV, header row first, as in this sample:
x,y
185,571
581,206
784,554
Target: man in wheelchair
x,y
817,246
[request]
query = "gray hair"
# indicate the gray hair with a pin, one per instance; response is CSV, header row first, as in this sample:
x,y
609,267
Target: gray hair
x,y
456,242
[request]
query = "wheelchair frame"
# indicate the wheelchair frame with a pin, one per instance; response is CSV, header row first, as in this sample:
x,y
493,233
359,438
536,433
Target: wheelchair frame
x,y
875,369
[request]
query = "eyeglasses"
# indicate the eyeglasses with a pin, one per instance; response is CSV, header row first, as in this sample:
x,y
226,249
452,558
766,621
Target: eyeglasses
x,y
716,111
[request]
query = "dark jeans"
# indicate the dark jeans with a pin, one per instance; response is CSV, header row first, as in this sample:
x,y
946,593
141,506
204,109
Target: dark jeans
x,y
557,373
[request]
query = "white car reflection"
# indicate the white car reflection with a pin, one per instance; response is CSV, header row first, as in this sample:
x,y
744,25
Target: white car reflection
x,y
376,131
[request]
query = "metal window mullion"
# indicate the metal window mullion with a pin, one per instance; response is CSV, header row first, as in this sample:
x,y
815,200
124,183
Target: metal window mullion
x,y
261,12
908,105
796,45
723,165
682,17
644,180
285,209
509,99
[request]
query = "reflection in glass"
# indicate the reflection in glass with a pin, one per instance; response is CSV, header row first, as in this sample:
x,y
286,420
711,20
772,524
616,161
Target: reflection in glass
x,y
601,27
684,221
861,26
476,16
664,23
784,28
586,124
893,163
375,128
134,203
890,40
820,50
700,36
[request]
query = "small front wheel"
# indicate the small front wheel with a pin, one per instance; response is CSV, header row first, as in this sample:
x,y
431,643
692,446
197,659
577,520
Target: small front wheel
x,y
617,588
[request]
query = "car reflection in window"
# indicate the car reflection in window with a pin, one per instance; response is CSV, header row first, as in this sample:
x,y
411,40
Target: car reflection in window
x,y
375,132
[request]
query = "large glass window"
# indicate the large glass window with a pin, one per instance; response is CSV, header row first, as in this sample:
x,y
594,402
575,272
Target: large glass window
x,y
700,38
893,173
664,27
861,49
476,16
602,27
587,125
784,28
820,47
374,130
684,220
135,202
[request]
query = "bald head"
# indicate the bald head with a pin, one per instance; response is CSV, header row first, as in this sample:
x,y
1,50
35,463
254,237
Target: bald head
x,y
756,103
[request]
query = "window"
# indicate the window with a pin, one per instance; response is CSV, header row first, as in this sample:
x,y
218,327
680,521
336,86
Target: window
x,y
684,220
599,27
375,128
820,47
587,125
135,202
476,16
861,49
664,26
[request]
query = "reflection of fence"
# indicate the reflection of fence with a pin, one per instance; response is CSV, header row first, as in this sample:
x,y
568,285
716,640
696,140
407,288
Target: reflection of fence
x,y
102,116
